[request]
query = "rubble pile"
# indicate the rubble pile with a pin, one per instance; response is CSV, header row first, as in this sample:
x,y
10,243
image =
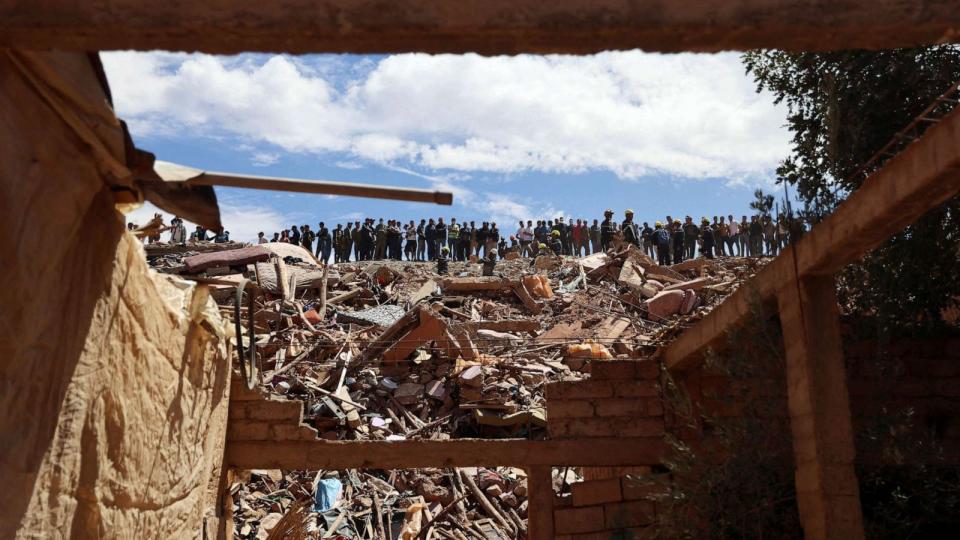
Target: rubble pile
x,y
416,503
390,350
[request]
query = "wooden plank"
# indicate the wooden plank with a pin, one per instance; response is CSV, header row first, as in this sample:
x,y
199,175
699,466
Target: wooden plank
x,y
339,455
828,495
923,176
484,26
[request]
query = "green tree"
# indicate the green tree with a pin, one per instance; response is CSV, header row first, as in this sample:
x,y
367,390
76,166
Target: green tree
x,y
762,202
842,108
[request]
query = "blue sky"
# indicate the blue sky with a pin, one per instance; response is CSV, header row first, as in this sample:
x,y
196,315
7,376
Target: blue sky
x,y
527,136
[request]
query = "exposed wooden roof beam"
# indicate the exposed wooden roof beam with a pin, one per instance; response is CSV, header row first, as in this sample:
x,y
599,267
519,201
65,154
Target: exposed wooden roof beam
x,y
483,26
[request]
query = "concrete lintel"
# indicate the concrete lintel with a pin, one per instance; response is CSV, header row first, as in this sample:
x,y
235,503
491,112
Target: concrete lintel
x,y
483,26
339,455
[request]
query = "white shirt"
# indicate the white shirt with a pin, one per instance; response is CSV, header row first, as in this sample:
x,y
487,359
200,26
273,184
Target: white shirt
x,y
734,228
525,234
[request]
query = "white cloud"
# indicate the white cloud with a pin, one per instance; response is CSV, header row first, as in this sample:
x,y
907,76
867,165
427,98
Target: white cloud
x,y
631,113
264,159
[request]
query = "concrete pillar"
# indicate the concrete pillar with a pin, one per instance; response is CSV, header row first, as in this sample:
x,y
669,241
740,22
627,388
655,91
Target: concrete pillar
x,y
827,493
540,502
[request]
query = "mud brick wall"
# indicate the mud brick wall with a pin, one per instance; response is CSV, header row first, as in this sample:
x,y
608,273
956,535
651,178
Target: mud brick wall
x,y
256,418
622,398
922,376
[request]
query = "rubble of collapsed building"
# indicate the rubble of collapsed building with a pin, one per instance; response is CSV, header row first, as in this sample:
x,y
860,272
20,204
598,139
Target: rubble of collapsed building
x,y
390,350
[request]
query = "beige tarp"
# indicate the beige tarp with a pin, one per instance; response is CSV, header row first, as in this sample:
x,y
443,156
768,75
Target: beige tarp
x,y
113,379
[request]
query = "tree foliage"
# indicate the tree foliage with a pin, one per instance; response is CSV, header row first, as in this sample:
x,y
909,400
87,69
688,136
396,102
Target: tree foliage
x,y
842,108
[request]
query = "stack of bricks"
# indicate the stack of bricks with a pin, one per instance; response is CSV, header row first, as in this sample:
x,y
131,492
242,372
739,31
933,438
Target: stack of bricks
x,y
252,417
622,398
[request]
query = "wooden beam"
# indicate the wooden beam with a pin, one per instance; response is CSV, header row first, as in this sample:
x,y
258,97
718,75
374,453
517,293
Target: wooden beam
x,y
920,178
323,187
339,455
484,26
828,495
540,506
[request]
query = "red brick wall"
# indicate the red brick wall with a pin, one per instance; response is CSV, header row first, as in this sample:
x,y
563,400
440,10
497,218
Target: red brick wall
x,y
623,398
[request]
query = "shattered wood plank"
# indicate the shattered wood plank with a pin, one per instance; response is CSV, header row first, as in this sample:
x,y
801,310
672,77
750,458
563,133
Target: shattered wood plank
x,y
524,295
430,328
693,285
232,257
340,298
425,291
390,334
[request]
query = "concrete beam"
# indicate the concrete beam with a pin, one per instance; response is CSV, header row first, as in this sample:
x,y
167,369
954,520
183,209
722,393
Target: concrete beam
x,y
828,496
339,455
483,26
920,178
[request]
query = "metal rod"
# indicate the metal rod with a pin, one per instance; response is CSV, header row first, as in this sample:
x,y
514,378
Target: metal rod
x,y
347,189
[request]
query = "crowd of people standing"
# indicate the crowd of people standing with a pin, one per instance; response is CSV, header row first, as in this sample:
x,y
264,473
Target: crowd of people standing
x,y
670,241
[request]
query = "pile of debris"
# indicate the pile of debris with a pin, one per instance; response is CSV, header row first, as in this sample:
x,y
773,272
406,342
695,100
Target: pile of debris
x,y
389,350
416,503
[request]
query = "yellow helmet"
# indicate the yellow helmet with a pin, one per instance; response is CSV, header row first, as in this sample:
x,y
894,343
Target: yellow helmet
x,y
658,224
554,233
628,212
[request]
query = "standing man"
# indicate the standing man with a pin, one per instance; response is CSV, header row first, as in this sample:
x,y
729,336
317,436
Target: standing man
x,y
733,231
575,232
178,233
294,235
380,236
355,238
462,249
607,229
661,240
410,232
646,234
306,239
493,238
422,240
440,232
678,234
525,236
338,243
691,233
595,236
708,238
453,237
631,234
430,234
323,243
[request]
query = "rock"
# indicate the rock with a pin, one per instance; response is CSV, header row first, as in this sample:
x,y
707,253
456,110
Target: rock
x,y
436,390
472,376
664,304
408,393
